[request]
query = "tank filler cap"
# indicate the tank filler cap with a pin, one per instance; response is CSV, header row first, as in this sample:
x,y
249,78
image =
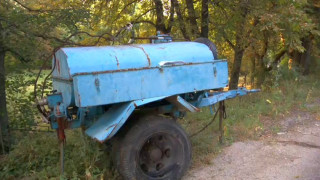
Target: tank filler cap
x,y
160,38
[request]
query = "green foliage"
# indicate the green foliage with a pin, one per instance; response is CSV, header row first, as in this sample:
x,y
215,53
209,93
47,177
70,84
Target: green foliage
x,y
20,99
30,31
20,109
36,156
284,72
33,153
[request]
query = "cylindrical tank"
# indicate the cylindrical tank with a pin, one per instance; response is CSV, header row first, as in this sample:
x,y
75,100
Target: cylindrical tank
x,y
92,62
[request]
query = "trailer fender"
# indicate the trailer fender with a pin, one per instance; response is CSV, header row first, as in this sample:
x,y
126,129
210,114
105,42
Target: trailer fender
x,y
111,121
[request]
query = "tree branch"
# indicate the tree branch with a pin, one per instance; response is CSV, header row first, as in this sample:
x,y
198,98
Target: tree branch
x,y
17,55
180,19
228,41
33,10
217,3
192,17
171,17
146,12
123,9
62,41
144,21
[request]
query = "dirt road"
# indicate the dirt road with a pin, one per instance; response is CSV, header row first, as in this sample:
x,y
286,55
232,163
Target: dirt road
x,y
291,153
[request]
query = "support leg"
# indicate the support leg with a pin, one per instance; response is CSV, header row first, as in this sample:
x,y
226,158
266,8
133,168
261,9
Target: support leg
x,y
62,140
221,111
61,157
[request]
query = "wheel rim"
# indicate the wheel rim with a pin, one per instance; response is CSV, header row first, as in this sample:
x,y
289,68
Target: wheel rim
x,y
160,155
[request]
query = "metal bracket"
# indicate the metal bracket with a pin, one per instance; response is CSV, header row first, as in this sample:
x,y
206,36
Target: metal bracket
x,y
182,104
216,97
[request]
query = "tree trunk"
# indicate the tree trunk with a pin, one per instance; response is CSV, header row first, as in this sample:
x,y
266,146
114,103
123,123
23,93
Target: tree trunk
x,y
192,17
253,70
296,57
303,60
239,47
261,73
261,69
235,72
181,20
205,19
171,16
160,22
3,104
306,56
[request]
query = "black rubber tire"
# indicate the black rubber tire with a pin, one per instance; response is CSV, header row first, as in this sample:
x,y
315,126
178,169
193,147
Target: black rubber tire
x,y
129,145
210,44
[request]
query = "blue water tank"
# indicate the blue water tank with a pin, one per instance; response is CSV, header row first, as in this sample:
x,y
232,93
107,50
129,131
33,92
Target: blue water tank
x,y
92,76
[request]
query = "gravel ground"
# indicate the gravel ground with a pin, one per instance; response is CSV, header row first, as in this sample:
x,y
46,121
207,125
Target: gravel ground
x,y
292,153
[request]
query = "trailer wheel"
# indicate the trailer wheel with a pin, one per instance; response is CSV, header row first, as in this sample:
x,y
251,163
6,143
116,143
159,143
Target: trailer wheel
x,y
210,44
154,148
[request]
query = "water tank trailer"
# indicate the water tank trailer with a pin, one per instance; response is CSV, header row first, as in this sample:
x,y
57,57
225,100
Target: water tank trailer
x,y
133,94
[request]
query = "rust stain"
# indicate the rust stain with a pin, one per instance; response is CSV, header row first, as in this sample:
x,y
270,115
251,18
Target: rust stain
x,y
130,69
128,109
112,132
64,52
58,110
149,60
62,125
112,71
61,78
79,98
69,72
112,126
58,65
107,129
118,64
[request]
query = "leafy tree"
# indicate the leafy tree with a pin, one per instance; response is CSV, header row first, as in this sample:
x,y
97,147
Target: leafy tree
x,y
274,27
28,31
233,23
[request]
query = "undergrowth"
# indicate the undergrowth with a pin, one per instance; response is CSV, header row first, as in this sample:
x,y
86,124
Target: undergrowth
x,y
36,155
